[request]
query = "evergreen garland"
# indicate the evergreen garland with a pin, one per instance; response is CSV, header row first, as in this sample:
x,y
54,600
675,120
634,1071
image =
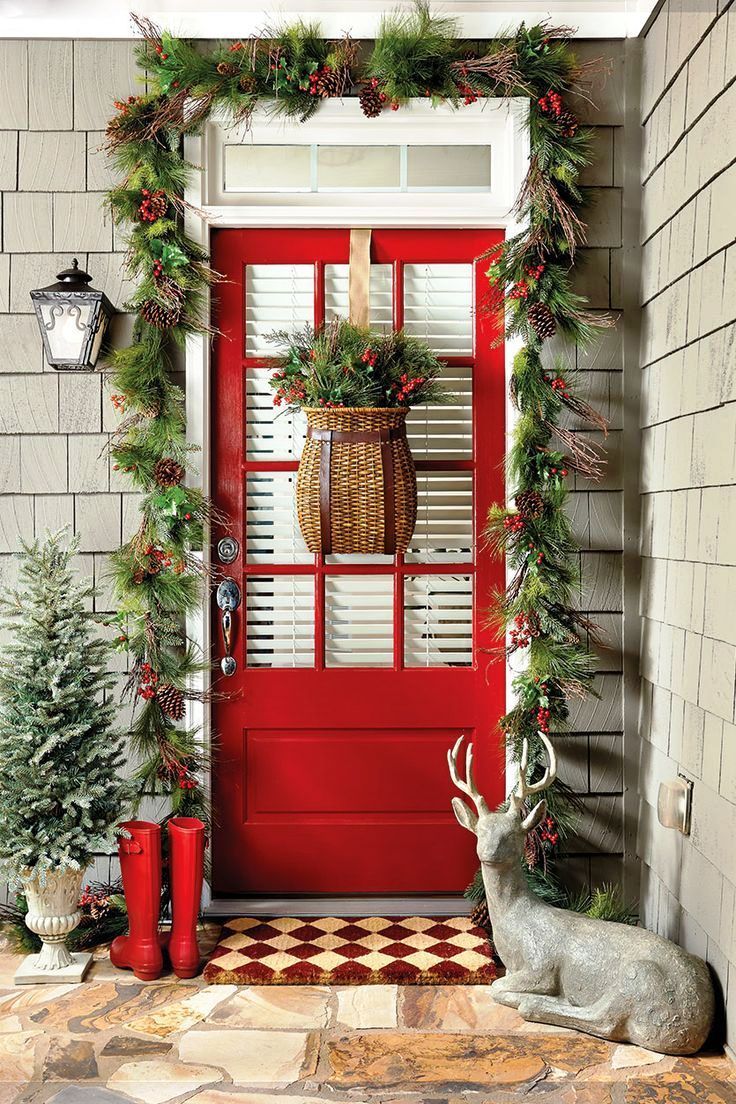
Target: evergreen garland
x,y
415,54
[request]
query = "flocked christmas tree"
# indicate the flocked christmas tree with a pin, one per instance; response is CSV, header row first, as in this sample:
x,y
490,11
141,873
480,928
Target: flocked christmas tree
x,y
61,792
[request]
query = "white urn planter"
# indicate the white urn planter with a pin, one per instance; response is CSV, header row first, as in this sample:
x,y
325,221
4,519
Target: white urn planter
x,y
53,912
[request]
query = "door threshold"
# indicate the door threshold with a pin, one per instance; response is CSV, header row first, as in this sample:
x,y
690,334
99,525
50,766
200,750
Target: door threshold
x,y
338,906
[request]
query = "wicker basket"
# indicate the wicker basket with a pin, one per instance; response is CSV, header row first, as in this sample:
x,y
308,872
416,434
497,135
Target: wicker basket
x,y
356,490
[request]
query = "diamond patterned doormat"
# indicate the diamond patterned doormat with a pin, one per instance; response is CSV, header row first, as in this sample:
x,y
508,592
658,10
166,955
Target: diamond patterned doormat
x,y
411,950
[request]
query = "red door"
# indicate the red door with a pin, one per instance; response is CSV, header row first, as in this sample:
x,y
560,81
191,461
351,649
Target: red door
x,y
354,674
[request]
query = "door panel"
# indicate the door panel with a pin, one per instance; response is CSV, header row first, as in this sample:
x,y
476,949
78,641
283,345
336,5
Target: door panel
x,y
355,673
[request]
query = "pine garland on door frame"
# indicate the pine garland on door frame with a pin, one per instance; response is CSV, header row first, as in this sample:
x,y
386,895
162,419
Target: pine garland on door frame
x,y
157,575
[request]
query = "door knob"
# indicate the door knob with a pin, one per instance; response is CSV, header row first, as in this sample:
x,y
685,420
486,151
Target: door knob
x,y
228,599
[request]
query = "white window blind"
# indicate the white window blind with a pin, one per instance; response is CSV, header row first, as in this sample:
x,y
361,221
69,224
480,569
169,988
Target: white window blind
x,y
438,621
444,529
277,297
381,287
359,620
279,621
271,524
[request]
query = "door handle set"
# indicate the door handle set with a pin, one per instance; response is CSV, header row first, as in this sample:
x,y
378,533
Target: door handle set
x,y
228,599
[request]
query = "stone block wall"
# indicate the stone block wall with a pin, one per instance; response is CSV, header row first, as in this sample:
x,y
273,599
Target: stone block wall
x,y
55,98
688,477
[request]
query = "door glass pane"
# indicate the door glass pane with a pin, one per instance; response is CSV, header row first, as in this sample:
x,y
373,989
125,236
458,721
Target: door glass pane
x,y
277,297
445,432
444,529
272,533
362,167
250,168
279,621
437,167
381,288
438,621
438,306
272,433
359,625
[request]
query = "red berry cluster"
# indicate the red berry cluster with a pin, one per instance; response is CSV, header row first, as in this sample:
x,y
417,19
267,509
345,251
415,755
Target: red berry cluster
x,y
520,634
183,777
315,77
145,211
369,357
97,904
558,384
125,105
532,549
382,95
548,832
158,270
514,523
329,404
543,719
160,52
520,290
235,47
551,104
558,471
147,679
469,94
407,387
290,390
535,271
158,559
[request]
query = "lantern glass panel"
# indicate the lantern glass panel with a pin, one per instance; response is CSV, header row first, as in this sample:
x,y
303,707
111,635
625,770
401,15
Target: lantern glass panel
x,y
66,323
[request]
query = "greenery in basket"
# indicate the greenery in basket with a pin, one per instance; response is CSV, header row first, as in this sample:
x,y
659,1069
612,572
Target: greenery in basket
x,y
346,365
61,794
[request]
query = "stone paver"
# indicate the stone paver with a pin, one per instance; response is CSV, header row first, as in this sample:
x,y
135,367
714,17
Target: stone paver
x,y
470,1061
365,1006
157,1081
275,1006
275,1058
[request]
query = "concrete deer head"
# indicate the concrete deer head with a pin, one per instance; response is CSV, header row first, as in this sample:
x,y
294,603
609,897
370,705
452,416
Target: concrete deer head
x,y
500,835
611,980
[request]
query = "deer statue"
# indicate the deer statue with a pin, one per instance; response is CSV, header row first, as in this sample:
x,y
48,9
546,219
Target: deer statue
x,y
612,980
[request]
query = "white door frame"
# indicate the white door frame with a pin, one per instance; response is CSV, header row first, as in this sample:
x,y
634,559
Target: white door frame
x,y
504,120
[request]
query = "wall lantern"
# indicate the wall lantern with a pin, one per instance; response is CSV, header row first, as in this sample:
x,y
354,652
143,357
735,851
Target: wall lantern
x,y
73,318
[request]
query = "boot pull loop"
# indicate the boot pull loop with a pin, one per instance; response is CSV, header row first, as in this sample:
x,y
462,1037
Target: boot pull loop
x,y
130,847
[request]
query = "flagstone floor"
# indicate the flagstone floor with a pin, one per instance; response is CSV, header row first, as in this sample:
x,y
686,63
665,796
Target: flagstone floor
x,y
115,1040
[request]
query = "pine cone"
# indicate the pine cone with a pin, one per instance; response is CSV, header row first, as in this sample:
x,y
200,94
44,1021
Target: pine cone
x,y
371,100
480,915
167,472
568,123
541,320
530,504
226,69
171,701
166,311
331,82
247,83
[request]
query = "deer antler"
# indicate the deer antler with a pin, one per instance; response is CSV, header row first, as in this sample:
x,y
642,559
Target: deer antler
x,y
466,785
523,788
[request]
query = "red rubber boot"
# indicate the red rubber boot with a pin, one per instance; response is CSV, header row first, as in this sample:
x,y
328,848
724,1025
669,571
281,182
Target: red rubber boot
x,y
186,868
140,866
